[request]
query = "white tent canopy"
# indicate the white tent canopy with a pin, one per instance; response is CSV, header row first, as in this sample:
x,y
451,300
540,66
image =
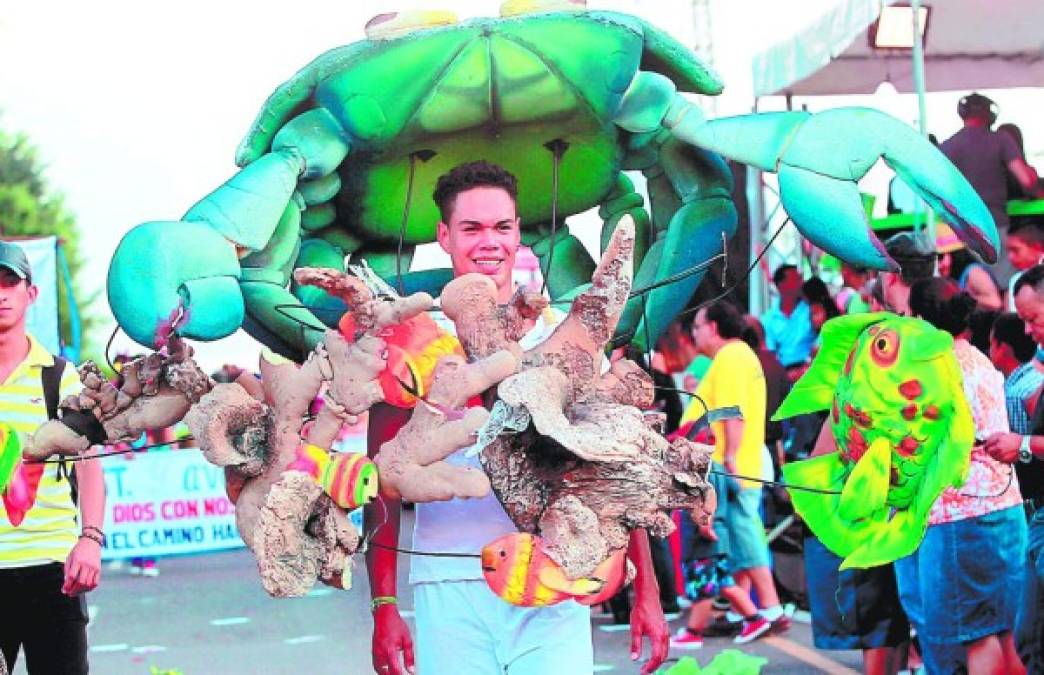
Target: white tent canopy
x,y
971,44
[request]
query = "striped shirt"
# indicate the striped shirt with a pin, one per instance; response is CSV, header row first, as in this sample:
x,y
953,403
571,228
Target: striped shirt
x,y
50,529
1023,382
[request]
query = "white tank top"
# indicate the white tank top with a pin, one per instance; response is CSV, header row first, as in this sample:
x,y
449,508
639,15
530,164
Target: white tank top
x,y
465,525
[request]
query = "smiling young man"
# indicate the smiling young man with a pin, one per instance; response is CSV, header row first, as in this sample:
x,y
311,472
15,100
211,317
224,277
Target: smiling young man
x,y
49,560
462,627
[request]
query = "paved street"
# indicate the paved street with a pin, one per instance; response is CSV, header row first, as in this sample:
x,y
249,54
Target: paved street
x,y
208,615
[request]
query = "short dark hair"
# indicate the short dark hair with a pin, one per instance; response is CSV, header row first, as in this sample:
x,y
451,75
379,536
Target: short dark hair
x,y
727,319
1033,277
1009,329
754,333
781,271
916,261
1028,230
942,303
464,177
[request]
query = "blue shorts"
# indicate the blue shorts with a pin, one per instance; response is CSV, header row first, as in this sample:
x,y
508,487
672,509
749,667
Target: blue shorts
x,y
748,546
965,581
854,608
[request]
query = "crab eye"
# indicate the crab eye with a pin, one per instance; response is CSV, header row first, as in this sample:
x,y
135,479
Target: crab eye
x,y
884,349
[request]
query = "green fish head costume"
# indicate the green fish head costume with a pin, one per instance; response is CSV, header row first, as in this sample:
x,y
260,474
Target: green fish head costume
x,y
903,431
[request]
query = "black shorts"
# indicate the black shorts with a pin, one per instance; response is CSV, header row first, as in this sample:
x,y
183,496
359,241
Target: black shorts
x,y
50,627
854,608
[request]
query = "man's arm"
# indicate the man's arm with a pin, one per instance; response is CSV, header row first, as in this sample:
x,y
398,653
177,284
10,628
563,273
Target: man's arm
x,y
1026,176
391,635
647,616
83,566
733,438
825,443
1004,447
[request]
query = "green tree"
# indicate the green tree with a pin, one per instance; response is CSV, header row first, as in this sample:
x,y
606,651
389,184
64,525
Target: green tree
x,y
29,207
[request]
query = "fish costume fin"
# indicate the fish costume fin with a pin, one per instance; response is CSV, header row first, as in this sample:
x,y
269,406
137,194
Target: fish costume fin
x,y
815,390
866,489
10,453
819,510
555,579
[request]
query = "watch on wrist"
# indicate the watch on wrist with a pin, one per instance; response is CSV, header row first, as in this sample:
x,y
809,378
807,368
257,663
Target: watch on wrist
x,y
1025,454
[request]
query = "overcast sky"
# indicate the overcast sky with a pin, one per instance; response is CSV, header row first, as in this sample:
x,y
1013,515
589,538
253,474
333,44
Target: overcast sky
x,y
137,107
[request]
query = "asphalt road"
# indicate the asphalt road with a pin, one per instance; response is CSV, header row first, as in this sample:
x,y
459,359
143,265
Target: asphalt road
x,y
209,615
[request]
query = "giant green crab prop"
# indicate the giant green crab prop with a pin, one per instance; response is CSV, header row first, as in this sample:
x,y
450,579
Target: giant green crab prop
x,y
342,158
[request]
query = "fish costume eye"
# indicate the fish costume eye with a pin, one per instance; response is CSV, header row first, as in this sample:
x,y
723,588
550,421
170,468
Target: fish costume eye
x,y
884,348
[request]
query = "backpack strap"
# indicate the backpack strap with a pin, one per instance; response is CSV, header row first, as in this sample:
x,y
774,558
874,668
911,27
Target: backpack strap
x,y
51,381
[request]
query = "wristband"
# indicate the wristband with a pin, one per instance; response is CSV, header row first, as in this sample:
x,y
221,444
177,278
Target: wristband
x,y
382,600
94,534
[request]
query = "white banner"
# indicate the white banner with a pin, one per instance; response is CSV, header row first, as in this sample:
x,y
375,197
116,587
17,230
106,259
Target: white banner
x,y
42,318
166,503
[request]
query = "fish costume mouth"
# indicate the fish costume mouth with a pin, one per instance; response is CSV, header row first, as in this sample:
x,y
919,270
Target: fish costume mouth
x,y
903,431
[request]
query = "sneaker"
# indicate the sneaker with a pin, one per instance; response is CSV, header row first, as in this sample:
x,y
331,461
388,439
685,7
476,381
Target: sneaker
x,y
781,625
722,627
752,630
149,569
686,639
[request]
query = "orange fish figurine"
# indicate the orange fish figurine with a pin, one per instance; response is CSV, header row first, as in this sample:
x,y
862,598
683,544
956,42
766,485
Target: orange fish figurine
x,y
519,571
414,347
349,478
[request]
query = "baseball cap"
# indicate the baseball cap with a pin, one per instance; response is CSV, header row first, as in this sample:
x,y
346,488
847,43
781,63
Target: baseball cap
x,y
13,258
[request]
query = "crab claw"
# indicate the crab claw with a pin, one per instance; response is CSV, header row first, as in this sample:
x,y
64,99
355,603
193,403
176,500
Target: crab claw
x,y
160,267
832,150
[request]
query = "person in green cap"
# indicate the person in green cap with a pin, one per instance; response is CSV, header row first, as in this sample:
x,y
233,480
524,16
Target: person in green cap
x,y
53,556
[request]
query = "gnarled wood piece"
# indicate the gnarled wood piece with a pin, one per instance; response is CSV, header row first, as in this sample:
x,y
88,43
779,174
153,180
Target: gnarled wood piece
x,y
591,467
156,391
411,465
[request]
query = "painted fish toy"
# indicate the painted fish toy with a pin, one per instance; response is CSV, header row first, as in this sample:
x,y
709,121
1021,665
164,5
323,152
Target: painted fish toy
x,y
519,572
349,478
903,431
414,347
18,480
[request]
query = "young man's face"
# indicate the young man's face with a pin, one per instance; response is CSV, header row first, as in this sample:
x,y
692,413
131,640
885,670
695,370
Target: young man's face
x,y
16,294
1021,254
482,236
998,351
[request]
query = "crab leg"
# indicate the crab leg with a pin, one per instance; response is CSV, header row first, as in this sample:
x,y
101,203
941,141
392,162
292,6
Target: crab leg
x,y
690,194
819,158
256,216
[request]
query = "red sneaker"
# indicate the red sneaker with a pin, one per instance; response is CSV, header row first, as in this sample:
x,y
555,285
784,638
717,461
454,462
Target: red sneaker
x,y
753,629
687,639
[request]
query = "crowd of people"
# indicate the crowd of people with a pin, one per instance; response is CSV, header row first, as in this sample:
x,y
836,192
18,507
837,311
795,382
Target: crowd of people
x,y
968,600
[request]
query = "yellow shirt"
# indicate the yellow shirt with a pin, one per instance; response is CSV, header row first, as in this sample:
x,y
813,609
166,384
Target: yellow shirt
x,y
49,530
735,378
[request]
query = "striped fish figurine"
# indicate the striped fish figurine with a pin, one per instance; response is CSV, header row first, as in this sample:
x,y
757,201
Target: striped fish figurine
x,y
519,572
349,478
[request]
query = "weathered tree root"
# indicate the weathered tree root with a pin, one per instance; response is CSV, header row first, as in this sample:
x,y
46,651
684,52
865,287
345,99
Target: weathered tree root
x,y
411,465
591,467
290,563
156,391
